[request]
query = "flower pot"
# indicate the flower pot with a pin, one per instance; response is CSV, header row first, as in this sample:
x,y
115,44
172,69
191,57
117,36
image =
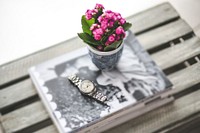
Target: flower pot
x,y
105,60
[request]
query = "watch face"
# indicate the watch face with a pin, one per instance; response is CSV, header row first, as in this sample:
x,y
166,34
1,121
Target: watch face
x,y
86,86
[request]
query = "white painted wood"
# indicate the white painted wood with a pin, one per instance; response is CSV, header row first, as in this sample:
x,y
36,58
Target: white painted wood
x,y
179,53
1,127
185,78
164,34
152,17
16,93
24,117
49,129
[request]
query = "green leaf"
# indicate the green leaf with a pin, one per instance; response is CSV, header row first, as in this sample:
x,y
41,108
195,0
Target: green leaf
x,y
86,24
88,39
126,26
112,46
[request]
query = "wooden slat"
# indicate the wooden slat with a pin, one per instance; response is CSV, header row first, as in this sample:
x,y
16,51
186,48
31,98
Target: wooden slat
x,y
164,34
38,112
18,68
190,124
152,17
16,93
178,53
1,127
24,117
185,78
49,129
161,117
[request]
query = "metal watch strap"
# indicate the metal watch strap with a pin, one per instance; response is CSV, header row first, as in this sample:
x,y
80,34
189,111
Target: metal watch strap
x,y
99,96
75,79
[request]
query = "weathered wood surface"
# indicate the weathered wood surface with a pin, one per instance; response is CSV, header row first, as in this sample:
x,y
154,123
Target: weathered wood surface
x,y
152,17
185,78
20,91
171,56
189,125
49,129
163,34
24,117
165,21
1,127
143,21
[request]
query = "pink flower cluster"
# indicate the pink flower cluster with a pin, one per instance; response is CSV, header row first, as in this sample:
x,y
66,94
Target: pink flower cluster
x,y
90,13
118,35
108,24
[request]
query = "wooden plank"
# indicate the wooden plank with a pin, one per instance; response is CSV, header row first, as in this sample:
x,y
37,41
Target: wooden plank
x,y
21,118
152,17
1,127
174,55
161,117
49,129
190,124
18,68
185,78
16,93
24,117
164,34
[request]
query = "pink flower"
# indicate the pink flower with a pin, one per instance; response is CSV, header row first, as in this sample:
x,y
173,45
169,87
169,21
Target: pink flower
x,y
100,18
111,24
124,34
109,11
119,30
118,15
114,18
118,37
104,25
89,13
122,21
100,47
97,37
98,31
94,26
111,38
107,43
99,6
109,15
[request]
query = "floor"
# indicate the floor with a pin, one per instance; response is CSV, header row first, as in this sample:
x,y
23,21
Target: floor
x,y
28,26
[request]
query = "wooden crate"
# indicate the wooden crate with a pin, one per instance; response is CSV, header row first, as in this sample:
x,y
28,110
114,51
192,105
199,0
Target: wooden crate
x,y
171,43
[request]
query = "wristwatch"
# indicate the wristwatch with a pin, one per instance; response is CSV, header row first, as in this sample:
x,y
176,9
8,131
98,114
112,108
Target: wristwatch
x,y
88,88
